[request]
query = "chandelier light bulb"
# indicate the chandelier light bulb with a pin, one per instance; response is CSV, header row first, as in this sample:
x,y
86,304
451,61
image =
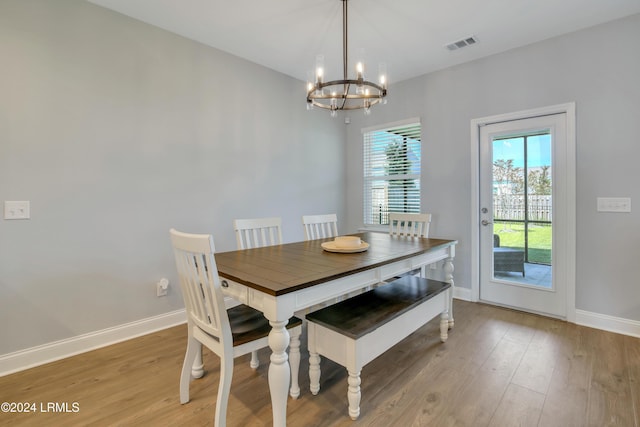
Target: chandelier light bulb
x,y
359,71
359,78
319,69
382,73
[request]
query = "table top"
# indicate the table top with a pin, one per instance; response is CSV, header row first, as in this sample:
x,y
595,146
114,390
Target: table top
x,y
281,269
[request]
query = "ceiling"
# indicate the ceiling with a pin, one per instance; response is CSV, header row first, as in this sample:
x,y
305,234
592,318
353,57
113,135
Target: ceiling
x,y
409,36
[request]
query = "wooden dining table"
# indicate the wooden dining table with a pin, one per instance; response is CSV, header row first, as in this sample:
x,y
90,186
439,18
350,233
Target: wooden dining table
x,y
283,279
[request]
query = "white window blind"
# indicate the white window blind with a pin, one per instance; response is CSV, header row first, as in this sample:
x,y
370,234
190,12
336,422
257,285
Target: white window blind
x,y
392,158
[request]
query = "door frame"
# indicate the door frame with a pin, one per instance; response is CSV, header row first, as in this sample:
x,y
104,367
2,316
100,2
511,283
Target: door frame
x,y
570,174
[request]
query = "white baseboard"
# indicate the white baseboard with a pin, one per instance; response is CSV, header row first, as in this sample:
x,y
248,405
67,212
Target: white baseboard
x,y
31,357
462,293
608,323
603,322
35,356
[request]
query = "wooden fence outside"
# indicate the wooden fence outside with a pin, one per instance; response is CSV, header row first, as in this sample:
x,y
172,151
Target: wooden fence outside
x,y
512,207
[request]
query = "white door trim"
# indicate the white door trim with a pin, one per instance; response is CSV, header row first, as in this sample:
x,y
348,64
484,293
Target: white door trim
x,y
570,110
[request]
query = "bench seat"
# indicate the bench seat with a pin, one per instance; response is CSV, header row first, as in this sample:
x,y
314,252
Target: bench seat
x,y
357,330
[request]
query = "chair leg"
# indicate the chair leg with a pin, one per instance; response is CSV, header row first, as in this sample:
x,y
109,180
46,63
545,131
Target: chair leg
x,y
353,394
254,360
185,377
224,389
294,362
197,370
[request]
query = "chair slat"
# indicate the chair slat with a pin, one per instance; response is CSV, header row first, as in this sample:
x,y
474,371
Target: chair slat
x,y
414,225
320,226
259,232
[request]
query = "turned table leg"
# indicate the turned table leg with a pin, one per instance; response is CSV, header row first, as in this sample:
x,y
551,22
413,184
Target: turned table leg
x,y
448,277
279,371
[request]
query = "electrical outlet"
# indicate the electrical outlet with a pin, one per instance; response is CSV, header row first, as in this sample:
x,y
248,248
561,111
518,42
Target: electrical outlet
x,y
162,287
17,210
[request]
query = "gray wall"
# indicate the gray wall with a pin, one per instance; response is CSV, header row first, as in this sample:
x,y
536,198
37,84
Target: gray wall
x,y
599,69
116,131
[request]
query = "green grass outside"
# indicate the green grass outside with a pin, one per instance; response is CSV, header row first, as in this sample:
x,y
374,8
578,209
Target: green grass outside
x,y
512,236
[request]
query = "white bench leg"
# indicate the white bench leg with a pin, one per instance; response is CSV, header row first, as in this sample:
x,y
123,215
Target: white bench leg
x,y
353,394
294,363
444,326
314,372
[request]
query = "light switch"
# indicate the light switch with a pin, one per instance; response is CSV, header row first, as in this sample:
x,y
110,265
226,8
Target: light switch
x,y
614,204
17,210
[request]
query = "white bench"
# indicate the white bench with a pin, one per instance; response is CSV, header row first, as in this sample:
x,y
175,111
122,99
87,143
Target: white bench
x,y
354,332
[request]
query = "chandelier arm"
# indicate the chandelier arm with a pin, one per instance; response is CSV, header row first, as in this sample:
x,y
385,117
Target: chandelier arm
x,y
344,99
328,107
346,96
347,82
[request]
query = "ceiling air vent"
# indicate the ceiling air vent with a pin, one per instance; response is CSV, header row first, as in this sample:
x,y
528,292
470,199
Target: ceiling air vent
x,y
467,41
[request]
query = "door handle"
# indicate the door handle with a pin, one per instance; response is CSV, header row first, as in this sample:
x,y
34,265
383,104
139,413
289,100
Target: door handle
x,y
485,222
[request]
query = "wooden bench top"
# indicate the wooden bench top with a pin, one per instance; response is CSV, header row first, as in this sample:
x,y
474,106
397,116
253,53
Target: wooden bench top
x,y
366,312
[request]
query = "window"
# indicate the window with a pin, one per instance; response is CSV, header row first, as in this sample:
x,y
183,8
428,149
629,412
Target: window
x,y
391,171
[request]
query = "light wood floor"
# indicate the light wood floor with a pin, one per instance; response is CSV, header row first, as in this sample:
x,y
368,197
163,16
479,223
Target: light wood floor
x,y
498,368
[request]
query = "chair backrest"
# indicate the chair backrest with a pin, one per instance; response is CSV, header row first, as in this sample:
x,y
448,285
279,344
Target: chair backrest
x,y
404,224
258,232
320,226
198,276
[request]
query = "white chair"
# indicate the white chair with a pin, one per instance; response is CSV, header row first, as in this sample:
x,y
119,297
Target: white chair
x,y
410,225
405,224
258,232
320,226
228,333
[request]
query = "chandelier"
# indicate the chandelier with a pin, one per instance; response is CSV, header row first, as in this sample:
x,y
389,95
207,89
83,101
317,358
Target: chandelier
x,y
345,94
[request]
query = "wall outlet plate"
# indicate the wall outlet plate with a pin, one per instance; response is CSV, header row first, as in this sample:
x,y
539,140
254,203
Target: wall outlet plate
x,y
614,204
162,287
17,210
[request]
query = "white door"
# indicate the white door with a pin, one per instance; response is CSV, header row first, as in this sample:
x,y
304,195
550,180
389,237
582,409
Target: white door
x,y
524,226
